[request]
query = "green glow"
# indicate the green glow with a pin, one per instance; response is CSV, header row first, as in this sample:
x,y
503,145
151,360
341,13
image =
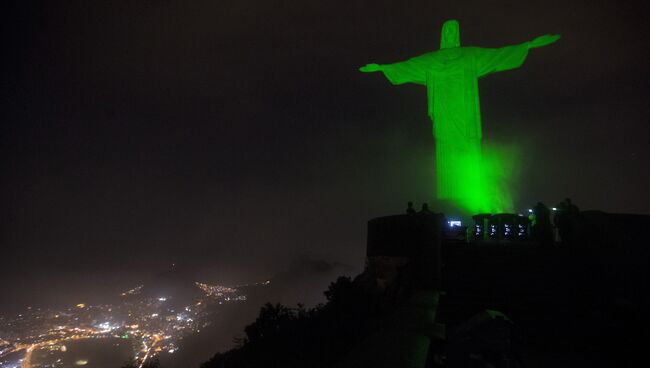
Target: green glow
x,y
465,173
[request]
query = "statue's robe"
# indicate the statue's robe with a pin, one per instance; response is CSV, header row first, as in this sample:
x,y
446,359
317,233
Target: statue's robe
x,y
451,77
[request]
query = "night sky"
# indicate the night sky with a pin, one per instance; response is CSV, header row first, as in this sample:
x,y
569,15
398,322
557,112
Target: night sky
x,y
237,135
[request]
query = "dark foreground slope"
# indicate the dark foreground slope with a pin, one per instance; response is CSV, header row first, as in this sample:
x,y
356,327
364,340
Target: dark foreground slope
x,y
500,305
298,337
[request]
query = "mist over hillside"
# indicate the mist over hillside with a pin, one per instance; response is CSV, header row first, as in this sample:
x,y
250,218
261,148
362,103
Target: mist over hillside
x,y
302,281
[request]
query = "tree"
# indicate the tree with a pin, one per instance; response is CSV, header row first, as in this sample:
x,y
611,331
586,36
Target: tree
x,y
273,319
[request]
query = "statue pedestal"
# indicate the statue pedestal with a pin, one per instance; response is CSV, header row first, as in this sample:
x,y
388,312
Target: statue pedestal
x,y
408,243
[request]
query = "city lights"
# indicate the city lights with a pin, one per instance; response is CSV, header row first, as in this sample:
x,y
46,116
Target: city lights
x,y
154,326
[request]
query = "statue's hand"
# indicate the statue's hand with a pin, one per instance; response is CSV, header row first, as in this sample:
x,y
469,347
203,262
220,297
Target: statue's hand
x,y
543,41
369,68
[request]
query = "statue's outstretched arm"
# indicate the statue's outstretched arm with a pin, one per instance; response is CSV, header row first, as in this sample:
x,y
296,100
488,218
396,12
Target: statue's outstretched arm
x,y
407,71
508,57
369,68
542,41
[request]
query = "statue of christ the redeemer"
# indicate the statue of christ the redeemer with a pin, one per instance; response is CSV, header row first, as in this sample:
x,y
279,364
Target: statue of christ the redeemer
x,y
451,77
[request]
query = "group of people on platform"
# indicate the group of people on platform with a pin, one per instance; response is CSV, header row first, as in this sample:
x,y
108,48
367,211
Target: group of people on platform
x,y
411,211
564,219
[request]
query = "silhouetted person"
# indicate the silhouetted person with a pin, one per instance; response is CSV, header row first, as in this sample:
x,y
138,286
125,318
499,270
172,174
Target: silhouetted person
x,y
410,210
572,208
571,221
425,208
542,230
561,221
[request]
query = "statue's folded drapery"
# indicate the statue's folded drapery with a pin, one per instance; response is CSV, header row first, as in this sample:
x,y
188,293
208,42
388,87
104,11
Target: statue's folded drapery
x,y
451,78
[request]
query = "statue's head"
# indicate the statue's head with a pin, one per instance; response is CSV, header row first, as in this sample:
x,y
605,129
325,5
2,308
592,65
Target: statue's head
x,y
450,36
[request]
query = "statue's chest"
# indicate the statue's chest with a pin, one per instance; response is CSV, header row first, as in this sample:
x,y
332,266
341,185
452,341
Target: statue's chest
x,y
449,68
451,65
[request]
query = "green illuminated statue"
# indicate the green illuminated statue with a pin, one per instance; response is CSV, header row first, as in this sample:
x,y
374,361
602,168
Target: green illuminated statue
x,y
451,77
